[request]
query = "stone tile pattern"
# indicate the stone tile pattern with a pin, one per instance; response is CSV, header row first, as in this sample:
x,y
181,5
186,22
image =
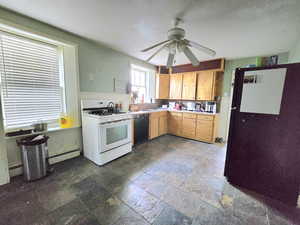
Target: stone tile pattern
x,y
166,181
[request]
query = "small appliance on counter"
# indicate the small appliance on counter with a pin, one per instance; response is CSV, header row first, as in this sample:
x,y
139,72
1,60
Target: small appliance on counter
x,y
200,107
171,105
190,106
210,107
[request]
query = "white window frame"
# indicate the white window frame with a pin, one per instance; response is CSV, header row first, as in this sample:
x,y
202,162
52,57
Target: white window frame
x,y
147,81
51,123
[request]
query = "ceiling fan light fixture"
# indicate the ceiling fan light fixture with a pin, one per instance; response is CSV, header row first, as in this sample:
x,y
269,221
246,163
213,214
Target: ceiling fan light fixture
x,y
177,44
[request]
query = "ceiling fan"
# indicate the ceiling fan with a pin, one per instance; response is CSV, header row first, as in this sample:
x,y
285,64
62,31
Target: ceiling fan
x,y
176,43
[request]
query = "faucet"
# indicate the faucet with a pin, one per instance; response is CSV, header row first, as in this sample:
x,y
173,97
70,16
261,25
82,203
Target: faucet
x,y
111,106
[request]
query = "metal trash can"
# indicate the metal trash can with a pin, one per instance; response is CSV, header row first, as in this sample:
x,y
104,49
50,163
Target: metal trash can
x,y
34,151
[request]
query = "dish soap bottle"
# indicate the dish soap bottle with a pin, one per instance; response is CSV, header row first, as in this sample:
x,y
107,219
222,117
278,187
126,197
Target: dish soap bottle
x,y
65,121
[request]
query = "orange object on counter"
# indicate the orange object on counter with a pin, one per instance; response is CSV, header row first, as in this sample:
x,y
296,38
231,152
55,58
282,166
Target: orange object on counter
x,y
65,121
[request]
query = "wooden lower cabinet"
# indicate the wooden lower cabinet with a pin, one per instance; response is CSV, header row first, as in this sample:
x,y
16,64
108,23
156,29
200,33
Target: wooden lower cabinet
x,y
175,123
158,124
153,127
163,125
199,127
189,125
204,130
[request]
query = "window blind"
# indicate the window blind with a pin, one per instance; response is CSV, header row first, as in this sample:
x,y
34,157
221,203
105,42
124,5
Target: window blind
x,y
31,89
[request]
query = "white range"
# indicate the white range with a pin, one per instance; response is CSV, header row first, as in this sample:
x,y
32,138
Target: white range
x,y
106,135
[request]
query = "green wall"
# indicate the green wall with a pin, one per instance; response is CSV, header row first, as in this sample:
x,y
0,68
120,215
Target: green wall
x,y
231,65
295,53
98,64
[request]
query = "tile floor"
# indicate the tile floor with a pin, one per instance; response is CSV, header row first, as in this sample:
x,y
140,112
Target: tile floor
x,y
167,181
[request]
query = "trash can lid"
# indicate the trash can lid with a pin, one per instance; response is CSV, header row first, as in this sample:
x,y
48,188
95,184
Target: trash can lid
x,y
33,140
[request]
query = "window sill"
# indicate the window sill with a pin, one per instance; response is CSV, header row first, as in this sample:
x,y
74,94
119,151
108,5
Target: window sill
x,y
49,130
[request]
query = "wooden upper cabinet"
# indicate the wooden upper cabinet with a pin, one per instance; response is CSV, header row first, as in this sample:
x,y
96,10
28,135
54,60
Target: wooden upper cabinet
x,y
206,85
175,86
162,86
189,85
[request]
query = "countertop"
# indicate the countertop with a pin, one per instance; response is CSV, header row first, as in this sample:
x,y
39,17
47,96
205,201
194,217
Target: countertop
x,y
169,110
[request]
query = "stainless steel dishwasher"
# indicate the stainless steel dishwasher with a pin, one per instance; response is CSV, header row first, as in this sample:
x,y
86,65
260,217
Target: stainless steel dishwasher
x,y
141,128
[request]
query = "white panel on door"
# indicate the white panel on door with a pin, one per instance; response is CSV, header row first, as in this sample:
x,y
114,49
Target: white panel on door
x,y
262,91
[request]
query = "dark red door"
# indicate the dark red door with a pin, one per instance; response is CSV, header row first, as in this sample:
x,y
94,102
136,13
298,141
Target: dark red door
x,y
263,153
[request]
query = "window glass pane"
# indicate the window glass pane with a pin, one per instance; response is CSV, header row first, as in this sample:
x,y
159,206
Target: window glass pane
x,y
139,83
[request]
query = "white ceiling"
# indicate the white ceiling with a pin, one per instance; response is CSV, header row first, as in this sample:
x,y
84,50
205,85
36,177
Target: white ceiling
x,y
234,28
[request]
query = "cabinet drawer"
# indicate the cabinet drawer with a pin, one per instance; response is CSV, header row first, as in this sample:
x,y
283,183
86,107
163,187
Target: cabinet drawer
x,y
175,114
205,117
163,113
189,115
154,115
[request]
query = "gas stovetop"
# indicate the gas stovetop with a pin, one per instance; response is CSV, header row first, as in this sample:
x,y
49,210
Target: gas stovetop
x,y
104,113
101,113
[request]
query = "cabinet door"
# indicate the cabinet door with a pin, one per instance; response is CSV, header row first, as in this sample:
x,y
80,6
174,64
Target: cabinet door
x,y
175,86
162,86
204,130
175,123
189,86
153,127
206,85
163,125
189,127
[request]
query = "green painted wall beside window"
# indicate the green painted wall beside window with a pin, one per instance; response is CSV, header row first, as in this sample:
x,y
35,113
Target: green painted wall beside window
x,y
294,56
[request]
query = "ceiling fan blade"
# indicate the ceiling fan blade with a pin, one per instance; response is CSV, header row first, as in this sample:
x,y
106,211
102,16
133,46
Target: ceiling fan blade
x,y
155,53
170,60
191,56
154,46
200,47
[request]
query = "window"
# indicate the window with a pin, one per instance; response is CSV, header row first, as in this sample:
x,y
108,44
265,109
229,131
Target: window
x,y
32,82
140,84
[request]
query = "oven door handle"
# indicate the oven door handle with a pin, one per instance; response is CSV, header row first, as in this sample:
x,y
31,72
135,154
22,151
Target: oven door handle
x,y
115,121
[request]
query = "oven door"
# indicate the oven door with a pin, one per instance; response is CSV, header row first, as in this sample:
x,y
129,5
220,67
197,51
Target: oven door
x,y
114,134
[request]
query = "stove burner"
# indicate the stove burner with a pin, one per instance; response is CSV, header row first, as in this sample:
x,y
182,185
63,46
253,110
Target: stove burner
x,y
101,112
